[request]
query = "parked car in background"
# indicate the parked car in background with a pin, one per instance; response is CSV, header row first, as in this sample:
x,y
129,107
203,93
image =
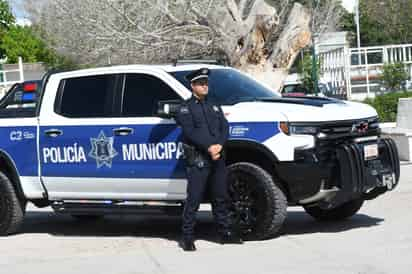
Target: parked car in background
x,y
293,86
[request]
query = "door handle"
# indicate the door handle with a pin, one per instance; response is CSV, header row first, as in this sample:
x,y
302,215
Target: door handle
x,y
122,131
53,132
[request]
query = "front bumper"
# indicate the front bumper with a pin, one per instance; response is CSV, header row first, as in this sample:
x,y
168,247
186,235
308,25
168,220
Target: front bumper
x,y
359,177
344,174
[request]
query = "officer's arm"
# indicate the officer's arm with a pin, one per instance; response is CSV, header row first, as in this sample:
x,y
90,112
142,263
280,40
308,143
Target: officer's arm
x,y
224,128
184,119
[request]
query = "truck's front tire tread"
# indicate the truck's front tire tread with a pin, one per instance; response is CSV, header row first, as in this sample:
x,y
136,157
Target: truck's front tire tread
x,y
12,213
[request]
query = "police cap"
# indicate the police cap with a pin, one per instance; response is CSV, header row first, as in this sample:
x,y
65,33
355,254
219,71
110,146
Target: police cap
x,y
202,73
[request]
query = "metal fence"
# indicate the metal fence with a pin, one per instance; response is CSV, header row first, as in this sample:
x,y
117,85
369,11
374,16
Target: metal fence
x,y
356,72
9,77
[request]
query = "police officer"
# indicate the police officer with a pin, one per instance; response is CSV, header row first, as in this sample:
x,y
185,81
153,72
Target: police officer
x,y
205,131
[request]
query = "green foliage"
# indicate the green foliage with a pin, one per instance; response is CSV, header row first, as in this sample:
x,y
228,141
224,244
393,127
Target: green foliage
x,y
21,41
382,22
387,105
26,43
6,21
305,71
394,75
6,17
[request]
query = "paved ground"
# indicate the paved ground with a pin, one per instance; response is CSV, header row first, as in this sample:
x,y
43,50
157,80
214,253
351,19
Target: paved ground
x,y
377,240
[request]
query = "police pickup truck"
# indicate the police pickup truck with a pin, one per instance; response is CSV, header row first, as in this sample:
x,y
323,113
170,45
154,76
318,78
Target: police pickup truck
x,y
103,141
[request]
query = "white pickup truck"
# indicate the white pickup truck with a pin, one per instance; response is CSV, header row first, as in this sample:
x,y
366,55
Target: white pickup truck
x,y
104,141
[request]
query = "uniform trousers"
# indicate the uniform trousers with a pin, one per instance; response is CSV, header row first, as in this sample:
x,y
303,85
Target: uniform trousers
x,y
212,177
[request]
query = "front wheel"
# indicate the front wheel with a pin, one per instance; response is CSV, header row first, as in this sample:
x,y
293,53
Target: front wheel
x,y
341,212
258,205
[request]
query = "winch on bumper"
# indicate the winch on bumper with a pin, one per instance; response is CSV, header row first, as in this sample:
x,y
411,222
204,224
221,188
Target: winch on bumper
x,y
339,171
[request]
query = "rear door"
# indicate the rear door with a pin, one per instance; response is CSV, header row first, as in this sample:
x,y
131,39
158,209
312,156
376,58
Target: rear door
x,y
82,112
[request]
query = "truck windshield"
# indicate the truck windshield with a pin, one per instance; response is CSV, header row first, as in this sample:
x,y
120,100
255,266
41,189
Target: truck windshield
x,y
228,87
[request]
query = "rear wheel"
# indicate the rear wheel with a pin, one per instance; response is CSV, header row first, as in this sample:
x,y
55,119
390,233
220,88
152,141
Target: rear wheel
x,y
258,205
11,208
341,212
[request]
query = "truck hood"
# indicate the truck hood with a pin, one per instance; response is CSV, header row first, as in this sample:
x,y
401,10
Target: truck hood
x,y
302,110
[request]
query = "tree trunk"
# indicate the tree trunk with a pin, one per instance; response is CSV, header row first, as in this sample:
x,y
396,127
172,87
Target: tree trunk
x,y
269,61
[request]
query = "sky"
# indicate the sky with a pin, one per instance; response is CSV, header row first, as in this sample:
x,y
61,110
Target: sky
x,y
17,8
349,4
18,11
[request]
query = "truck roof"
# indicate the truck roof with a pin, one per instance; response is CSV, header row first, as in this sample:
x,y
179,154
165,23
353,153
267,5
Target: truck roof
x,y
165,67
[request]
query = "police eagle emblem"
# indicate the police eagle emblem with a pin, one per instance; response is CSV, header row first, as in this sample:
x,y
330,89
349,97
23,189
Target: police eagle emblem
x,y
102,150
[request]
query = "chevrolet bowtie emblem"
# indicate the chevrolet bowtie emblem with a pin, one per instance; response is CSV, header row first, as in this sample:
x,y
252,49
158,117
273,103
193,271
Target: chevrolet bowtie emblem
x,y
361,127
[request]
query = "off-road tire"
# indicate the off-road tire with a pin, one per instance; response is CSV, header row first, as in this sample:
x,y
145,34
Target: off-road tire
x,y
341,212
11,208
269,203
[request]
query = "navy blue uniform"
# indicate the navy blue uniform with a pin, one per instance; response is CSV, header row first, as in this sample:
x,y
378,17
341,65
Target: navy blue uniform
x,y
204,124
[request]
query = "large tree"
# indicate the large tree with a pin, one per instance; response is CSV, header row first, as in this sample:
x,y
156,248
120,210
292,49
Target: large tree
x,y
258,36
382,22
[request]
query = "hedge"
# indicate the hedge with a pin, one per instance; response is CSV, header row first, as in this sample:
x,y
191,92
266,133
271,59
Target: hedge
x,y
387,105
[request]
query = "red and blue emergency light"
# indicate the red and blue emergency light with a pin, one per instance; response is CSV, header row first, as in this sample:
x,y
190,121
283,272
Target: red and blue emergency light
x,y
29,89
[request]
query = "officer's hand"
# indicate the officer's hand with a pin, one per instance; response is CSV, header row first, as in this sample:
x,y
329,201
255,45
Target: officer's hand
x,y
219,147
216,157
214,149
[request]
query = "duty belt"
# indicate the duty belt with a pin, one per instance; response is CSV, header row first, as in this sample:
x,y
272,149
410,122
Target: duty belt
x,y
194,157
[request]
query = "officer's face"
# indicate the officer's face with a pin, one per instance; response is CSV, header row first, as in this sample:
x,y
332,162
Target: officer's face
x,y
200,88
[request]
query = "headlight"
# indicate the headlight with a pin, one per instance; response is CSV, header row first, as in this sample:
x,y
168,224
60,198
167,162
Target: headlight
x,y
298,129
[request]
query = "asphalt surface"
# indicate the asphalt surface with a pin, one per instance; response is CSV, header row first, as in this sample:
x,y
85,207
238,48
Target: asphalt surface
x,y
377,240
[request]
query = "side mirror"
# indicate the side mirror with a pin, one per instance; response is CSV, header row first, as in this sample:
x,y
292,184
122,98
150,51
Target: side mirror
x,y
168,109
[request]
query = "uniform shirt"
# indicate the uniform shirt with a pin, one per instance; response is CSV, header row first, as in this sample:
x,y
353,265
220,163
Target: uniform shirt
x,y
203,123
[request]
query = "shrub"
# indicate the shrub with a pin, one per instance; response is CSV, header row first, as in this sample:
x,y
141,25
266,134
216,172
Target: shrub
x,y
305,72
387,105
394,75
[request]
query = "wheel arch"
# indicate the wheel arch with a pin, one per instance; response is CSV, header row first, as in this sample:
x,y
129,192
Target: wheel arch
x,y
256,153
8,167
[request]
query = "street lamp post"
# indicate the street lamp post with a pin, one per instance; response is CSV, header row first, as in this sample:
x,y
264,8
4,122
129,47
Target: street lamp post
x,y
357,22
314,59
314,69
358,31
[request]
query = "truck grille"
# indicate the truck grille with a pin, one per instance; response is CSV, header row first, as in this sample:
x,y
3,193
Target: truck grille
x,y
333,134
349,129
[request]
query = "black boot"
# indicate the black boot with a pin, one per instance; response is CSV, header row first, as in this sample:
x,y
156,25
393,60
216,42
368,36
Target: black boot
x,y
187,244
230,237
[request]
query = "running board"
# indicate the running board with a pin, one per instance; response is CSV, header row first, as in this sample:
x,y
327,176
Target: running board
x,y
116,207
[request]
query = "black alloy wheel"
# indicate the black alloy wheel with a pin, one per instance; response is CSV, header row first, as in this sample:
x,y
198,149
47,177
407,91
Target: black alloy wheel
x,y
258,206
